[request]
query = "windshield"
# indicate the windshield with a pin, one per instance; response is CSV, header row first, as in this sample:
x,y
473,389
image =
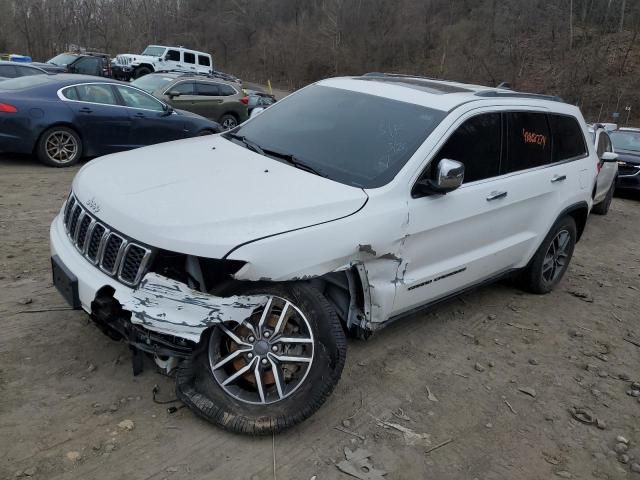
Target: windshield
x,y
63,59
353,138
154,51
151,83
625,140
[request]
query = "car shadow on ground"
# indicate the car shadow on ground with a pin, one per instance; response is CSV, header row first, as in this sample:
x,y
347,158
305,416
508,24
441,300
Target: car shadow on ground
x,y
628,194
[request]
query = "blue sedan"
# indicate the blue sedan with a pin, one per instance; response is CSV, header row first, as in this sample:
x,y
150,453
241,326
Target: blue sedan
x,y
62,118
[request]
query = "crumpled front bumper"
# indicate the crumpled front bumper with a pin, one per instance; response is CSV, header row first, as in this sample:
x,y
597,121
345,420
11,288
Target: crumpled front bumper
x,y
158,304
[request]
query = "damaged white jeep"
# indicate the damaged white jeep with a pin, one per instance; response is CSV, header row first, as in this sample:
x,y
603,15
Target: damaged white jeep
x,y
244,259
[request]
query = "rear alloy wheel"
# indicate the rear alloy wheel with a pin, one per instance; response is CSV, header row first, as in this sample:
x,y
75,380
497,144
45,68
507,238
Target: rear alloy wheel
x,y
602,208
59,147
228,122
549,264
270,371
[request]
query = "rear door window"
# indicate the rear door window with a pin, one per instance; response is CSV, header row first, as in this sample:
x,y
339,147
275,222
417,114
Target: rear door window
x,y
529,142
96,93
189,58
477,144
568,139
208,89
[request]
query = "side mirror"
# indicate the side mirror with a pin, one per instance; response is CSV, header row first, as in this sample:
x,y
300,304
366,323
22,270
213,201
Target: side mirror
x,y
173,93
449,176
168,109
609,157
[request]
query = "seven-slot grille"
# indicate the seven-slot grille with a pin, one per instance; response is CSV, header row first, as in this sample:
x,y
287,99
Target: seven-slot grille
x,y
114,254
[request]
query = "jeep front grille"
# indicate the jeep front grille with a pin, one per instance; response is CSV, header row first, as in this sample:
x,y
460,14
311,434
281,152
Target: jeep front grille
x,y
113,253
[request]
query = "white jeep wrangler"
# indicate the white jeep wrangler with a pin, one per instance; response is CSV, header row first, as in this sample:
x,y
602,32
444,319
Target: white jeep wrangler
x,y
246,257
157,58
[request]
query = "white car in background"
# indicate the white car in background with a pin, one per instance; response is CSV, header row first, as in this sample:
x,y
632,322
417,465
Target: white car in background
x,y
248,256
158,58
607,169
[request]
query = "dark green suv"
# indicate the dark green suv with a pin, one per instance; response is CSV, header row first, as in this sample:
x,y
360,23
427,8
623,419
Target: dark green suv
x,y
215,99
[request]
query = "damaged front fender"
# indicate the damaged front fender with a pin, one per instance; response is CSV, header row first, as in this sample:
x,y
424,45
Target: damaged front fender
x,y
170,307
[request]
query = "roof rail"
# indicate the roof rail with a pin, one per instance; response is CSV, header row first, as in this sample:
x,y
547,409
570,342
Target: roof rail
x,y
511,94
397,75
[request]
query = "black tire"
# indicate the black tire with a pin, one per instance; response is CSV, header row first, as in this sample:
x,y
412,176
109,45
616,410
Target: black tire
x,y
197,387
228,121
602,208
533,278
65,138
141,72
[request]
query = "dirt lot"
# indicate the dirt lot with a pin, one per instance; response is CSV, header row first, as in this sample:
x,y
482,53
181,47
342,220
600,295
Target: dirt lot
x,y
64,387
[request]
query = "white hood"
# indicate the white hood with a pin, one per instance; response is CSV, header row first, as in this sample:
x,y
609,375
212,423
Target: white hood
x,y
207,195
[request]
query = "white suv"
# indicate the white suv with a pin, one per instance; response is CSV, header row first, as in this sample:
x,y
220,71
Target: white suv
x,y
157,58
246,257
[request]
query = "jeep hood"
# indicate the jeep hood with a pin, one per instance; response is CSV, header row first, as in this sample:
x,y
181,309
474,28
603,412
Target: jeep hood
x,y
207,195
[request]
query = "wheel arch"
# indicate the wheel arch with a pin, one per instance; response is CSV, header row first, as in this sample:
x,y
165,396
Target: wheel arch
x,y
61,124
579,212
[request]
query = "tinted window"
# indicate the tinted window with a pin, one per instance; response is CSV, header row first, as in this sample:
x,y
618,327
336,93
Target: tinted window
x,y
568,141
622,139
184,88
26,71
173,55
204,61
354,138
189,58
528,141
8,71
208,89
137,99
71,93
226,90
96,93
87,66
476,143
63,59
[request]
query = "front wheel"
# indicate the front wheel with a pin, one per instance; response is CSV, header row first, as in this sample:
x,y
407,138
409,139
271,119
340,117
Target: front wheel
x,y
141,72
549,264
271,371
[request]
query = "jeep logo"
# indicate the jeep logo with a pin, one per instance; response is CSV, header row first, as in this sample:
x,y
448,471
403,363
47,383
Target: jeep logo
x,y
93,205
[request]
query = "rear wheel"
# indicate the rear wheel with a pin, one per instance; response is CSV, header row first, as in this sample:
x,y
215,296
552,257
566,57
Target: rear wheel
x,y
270,371
602,208
59,147
549,264
228,121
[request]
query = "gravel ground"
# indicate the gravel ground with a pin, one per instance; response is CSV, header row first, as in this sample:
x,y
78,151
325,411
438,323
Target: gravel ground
x,y
497,372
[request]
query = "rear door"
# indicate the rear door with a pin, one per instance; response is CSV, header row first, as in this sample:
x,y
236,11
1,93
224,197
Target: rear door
x,y
103,123
209,101
150,123
189,61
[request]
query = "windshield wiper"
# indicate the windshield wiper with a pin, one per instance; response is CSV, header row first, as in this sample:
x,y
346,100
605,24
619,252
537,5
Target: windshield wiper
x,y
248,143
295,161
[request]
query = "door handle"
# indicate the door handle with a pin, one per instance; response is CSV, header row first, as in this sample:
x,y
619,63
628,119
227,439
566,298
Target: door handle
x,y
139,115
85,110
496,195
558,178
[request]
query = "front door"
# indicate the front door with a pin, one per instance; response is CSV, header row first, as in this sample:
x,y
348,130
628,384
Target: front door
x,y
150,123
103,123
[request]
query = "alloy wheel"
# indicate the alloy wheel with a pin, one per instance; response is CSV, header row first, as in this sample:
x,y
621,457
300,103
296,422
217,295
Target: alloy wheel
x,y
229,123
265,358
555,259
61,147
